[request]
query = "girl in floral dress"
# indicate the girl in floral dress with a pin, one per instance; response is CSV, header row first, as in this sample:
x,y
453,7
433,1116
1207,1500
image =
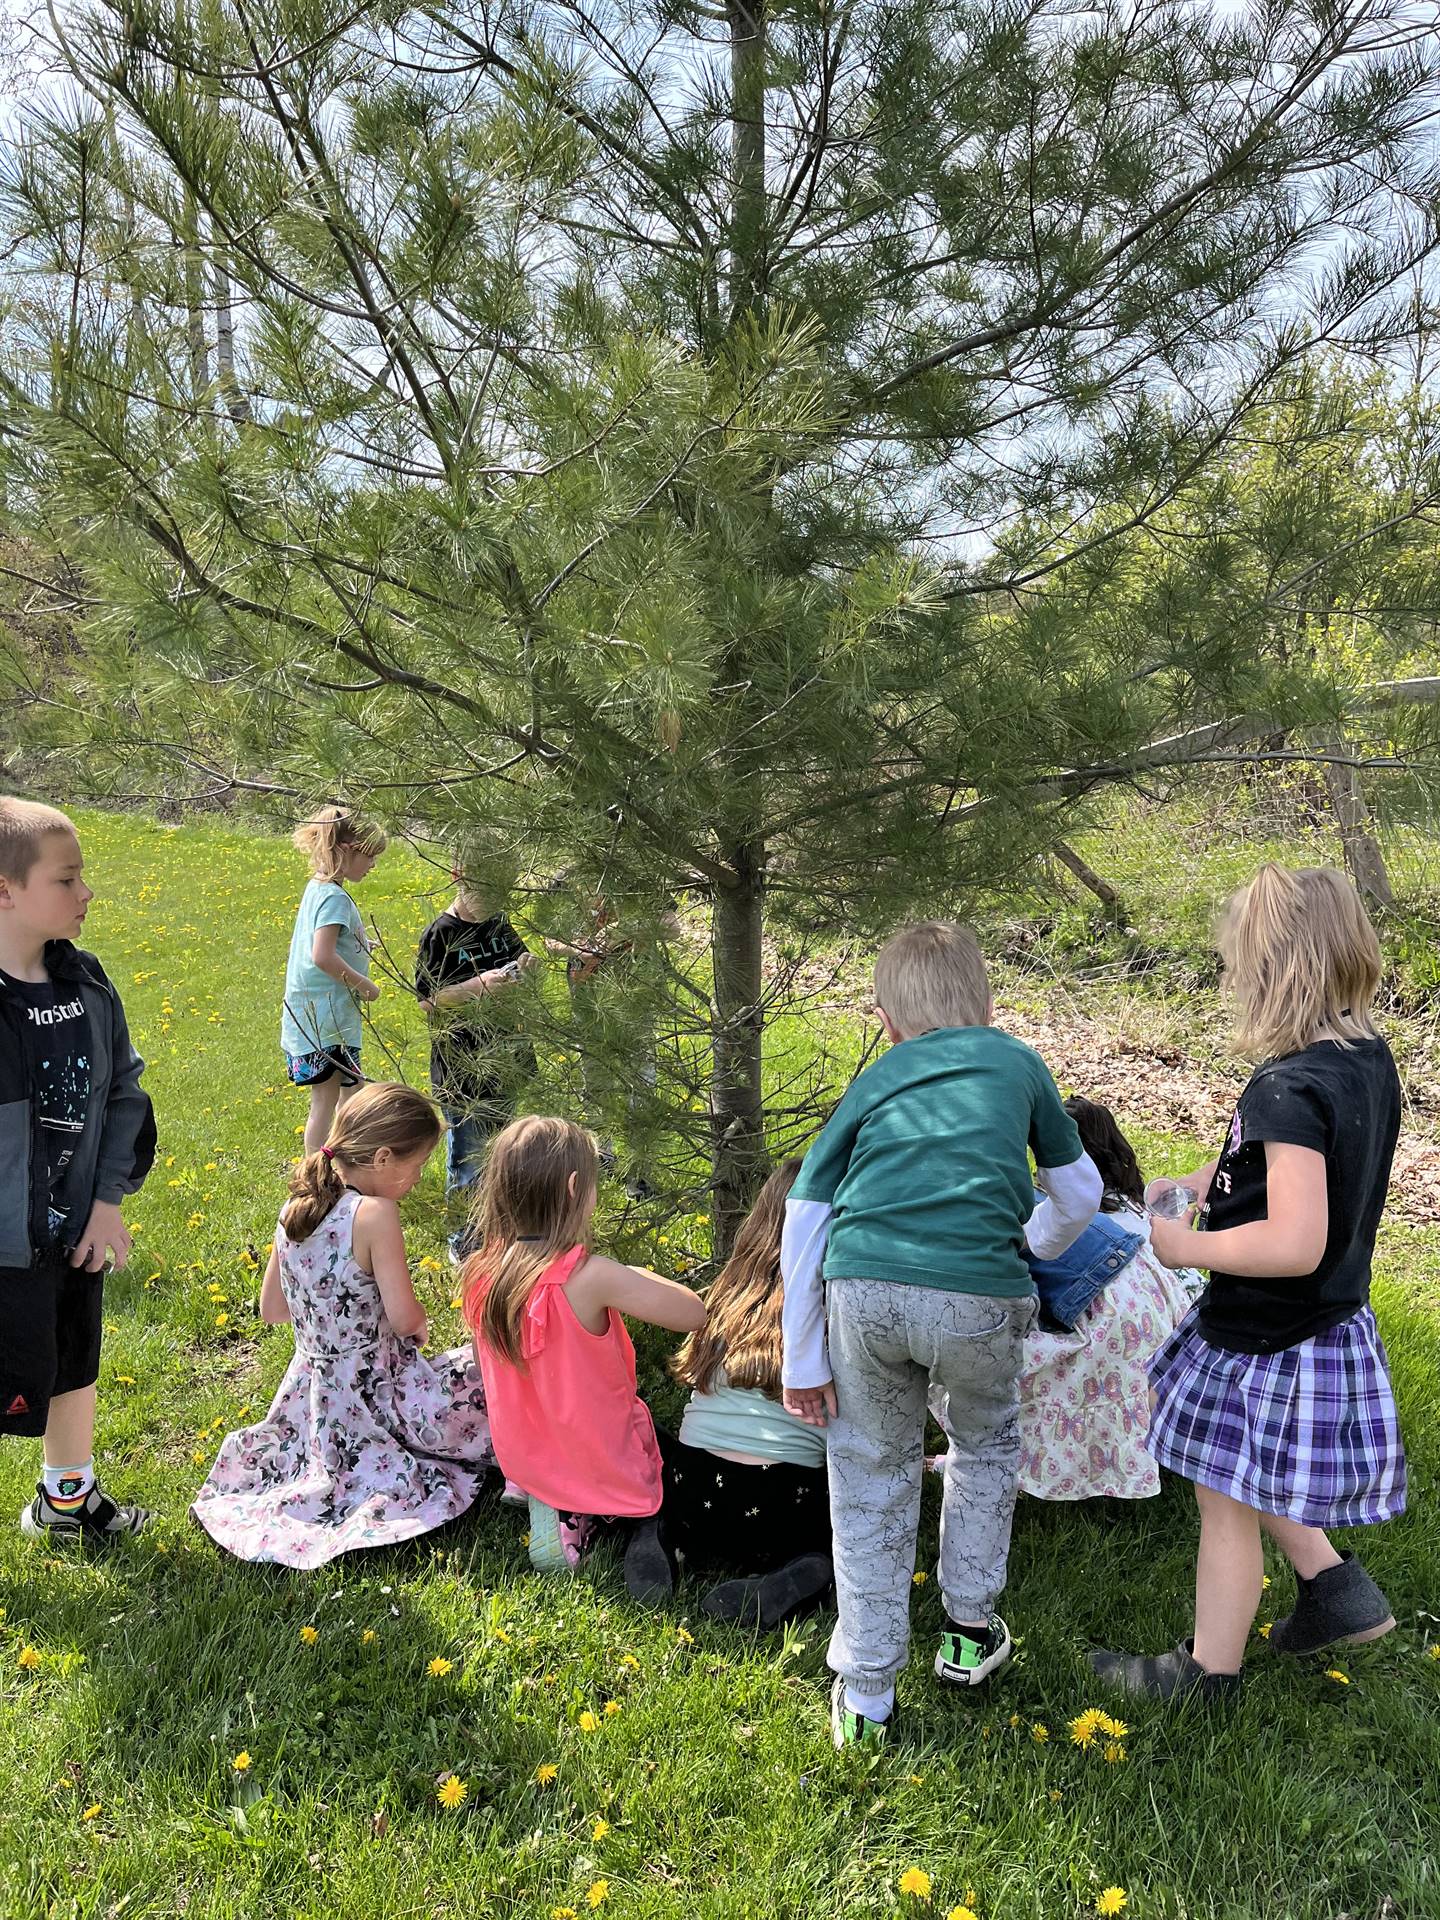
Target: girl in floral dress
x,y
367,1441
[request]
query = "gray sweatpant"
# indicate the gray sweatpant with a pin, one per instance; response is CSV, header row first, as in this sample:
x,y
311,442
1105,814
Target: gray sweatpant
x,y
888,1343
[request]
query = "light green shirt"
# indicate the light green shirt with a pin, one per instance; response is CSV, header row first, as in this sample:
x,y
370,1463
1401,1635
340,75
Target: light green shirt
x,y
319,1012
744,1420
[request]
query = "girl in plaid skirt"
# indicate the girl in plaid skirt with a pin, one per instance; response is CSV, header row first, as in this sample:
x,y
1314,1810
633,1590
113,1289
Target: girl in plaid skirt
x,y
1273,1394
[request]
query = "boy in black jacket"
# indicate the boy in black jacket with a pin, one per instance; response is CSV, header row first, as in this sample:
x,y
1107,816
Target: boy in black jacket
x,y
77,1134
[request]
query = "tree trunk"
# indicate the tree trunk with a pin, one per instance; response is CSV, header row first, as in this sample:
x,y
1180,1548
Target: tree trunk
x,y
737,1112
1363,857
1103,891
747,115
195,303
237,403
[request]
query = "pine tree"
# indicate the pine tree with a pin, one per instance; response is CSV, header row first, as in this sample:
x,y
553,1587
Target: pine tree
x,y
649,434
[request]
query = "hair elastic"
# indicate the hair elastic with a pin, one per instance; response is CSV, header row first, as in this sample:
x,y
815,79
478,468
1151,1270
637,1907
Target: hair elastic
x,y
329,1152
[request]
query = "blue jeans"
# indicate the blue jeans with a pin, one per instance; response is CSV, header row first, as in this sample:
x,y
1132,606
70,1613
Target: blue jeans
x,y
465,1149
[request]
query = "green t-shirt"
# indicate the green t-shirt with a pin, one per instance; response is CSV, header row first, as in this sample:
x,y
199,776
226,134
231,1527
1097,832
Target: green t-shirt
x,y
925,1162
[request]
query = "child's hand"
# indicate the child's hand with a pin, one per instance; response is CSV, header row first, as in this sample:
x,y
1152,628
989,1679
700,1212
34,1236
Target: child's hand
x,y
103,1230
367,990
1173,1242
816,1406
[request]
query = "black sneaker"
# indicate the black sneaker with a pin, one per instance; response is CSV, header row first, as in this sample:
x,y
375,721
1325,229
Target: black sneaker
x,y
649,1570
98,1519
1163,1676
1341,1604
767,1599
966,1657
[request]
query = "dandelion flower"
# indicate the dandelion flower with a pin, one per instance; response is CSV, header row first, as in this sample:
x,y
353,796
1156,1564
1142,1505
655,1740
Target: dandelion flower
x,y
1039,1734
598,1893
124,1379
563,1913
90,1812
369,1637
1112,1900
452,1792
962,1913
919,1577
1264,1581
502,1636
439,1667
222,1319
916,1882
1111,1728
1084,1727
28,1658
610,1709
309,1635
1340,1679
241,1763
1264,1629
685,1638
1433,1650
599,1830
629,1660
588,1721
1114,1752
546,1772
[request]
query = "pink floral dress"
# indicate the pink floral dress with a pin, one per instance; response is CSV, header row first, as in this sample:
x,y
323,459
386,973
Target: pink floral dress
x,y
368,1440
1085,1397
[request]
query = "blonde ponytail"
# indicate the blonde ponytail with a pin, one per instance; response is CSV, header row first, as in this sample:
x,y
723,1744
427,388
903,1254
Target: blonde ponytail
x,y
330,833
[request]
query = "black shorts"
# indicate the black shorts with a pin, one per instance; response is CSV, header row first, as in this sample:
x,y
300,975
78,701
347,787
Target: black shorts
x,y
314,1069
49,1338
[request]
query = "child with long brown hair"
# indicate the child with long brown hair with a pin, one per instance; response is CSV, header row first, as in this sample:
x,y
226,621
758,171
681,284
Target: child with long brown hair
x,y
568,1425
327,975
1273,1396
367,1441
745,1483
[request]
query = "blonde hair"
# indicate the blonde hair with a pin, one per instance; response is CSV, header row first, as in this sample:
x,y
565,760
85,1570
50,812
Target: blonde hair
x,y
744,1302
384,1114
528,1216
932,975
327,836
1301,960
23,827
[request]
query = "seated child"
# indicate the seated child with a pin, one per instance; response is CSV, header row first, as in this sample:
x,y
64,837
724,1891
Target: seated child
x,y
367,1441
558,1365
470,959
745,1484
1106,1305
917,1196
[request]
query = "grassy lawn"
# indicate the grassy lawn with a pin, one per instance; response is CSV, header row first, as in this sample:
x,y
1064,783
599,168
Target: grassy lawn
x,y
705,1784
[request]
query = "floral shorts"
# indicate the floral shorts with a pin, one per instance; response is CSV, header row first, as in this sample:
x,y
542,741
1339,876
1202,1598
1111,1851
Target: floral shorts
x,y
311,1069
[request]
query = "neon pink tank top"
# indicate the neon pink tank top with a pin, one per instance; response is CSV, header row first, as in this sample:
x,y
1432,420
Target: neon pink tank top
x,y
570,1428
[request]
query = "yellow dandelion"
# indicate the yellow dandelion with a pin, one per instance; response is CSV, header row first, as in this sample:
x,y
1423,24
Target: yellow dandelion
x,y
124,1379
1112,1900
456,1304
588,1721
241,1763
369,1637
90,1812
452,1792
563,1913
629,1660
502,1636
309,1635
1114,1752
222,1319
597,1893
685,1638
29,1658
1264,1629
546,1773
1014,1720
439,1667
1039,1733
1055,1794
962,1913
919,1577
610,1709
1084,1727
1264,1582
599,1830
1340,1679
916,1882
1433,1650
1112,1728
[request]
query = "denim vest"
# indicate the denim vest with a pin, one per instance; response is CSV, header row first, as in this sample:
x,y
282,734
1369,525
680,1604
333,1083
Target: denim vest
x,y
1068,1284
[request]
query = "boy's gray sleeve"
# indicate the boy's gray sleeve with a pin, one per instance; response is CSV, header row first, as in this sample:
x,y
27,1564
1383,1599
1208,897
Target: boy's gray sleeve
x,y
127,1138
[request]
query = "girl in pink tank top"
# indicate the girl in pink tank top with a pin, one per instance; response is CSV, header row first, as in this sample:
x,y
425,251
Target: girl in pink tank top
x,y
566,1421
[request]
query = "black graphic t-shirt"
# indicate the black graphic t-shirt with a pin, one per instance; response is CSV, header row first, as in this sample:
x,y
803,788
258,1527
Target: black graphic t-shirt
x,y
466,1037
1343,1102
57,1037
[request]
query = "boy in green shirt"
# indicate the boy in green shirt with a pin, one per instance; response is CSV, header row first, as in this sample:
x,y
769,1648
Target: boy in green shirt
x,y
902,1265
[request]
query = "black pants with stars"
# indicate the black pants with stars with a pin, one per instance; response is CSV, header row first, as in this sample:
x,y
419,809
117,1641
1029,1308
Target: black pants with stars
x,y
720,1514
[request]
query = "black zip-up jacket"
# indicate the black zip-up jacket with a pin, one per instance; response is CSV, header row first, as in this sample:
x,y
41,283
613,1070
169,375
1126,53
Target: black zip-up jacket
x,y
117,1147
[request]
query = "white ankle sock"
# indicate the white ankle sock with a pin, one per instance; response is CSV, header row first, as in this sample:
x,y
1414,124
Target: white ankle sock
x,y
66,1488
873,1706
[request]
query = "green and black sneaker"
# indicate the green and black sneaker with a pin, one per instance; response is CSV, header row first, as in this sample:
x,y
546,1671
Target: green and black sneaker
x,y
849,1729
966,1658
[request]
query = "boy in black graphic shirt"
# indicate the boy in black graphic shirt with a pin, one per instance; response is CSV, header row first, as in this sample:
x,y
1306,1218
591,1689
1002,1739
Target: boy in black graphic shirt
x,y
76,1136
470,960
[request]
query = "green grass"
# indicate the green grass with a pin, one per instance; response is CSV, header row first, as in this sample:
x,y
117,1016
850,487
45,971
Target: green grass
x,y
162,1661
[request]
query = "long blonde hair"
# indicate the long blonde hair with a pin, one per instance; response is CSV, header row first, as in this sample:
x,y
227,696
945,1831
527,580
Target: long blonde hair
x,y
1301,961
384,1114
744,1302
528,1216
328,835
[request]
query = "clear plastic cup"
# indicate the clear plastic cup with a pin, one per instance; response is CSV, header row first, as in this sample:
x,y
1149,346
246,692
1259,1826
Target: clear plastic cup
x,y
1170,1202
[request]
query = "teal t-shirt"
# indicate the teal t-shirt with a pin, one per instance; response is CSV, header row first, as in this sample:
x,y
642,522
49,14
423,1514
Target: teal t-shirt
x,y
925,1162
744,1420
318,1011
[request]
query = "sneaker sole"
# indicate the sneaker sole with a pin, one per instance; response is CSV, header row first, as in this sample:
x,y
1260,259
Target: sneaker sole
x,y
954,1676
547,1549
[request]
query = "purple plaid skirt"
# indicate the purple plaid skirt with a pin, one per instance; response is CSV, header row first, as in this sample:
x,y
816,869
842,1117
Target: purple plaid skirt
x,y
1310,1433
